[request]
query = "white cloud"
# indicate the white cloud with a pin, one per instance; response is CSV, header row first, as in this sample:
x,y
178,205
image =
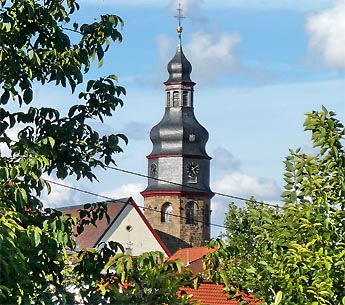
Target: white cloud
x,y
13,135
136,131
165,45
224,159
111,3
243,185
211,55
192,5
326,31
59,196
128,190
69,192
269,4
188,6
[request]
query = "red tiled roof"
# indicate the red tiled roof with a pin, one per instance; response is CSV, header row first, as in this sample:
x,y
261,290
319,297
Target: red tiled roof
x,y
91,235
213,294
208,293
192,257
189,255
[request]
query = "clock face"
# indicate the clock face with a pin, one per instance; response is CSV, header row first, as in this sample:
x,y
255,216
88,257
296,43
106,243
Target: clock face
x,y
153,170
192,169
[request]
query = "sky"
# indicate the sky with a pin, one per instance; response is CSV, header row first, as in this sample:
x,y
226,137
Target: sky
x,y
259,65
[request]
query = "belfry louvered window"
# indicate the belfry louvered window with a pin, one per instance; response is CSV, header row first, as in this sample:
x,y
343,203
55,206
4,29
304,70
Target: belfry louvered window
x,y
176,99
185,98
168,100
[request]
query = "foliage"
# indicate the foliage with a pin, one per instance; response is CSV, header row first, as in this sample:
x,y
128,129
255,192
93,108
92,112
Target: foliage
x,y
39,45
145,279
296,252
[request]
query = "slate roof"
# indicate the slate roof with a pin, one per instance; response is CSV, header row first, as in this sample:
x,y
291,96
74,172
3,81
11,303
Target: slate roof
x,y
179,68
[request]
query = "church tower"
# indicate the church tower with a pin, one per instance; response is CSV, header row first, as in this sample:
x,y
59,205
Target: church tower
x,y
178,195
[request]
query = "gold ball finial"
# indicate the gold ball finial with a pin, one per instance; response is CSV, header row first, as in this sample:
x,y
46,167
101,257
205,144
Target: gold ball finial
x,y
179,29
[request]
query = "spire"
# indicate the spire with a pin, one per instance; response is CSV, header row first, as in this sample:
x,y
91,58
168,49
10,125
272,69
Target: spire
x,y
179,67
179,17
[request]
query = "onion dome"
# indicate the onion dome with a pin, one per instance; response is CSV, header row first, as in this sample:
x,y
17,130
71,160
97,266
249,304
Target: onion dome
x,y
179,68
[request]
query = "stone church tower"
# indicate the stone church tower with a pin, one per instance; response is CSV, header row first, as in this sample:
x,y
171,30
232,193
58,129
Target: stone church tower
x,y
178,195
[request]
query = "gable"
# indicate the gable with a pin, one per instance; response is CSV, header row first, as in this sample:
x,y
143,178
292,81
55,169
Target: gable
x,y
127,225
134,233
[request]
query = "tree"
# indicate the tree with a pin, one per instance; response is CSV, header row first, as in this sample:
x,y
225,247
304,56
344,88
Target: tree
x,y
294,253
40,44
147,279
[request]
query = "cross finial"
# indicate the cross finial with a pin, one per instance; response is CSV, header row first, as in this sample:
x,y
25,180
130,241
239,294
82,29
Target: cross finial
x,y
179,17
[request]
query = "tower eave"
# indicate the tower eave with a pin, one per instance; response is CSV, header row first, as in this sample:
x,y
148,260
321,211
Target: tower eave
x,y
190,83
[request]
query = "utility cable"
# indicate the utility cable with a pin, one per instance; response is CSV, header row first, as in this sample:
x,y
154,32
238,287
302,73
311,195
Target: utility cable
x,y
192,187
119,200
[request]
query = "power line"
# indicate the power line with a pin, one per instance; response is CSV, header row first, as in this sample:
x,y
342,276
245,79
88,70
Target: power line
x,y
192,187
162,180
119,200
179,184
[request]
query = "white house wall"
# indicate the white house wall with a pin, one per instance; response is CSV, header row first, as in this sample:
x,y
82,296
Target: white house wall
x,y
131,231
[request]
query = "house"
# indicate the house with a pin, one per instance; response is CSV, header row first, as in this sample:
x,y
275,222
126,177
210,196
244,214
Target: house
x,y
127,225
207,293
213,294
192,257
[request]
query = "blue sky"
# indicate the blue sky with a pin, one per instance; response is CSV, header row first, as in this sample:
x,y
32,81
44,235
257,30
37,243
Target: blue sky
x,y
259,66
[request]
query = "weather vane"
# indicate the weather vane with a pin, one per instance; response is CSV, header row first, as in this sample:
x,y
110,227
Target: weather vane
x,y
179,17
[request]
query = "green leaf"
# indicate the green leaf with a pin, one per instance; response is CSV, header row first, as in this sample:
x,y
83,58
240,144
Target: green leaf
x,y
13,173
51,141
113,76
278,298
251,270
328,265
27,96
5,97
37,237
123,137
100,63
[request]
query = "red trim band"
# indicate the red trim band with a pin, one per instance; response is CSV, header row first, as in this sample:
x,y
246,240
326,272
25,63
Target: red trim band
x,y
146,194
180,155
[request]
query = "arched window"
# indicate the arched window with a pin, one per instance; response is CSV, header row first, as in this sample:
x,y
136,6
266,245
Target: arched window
x,y
166,212
190,212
